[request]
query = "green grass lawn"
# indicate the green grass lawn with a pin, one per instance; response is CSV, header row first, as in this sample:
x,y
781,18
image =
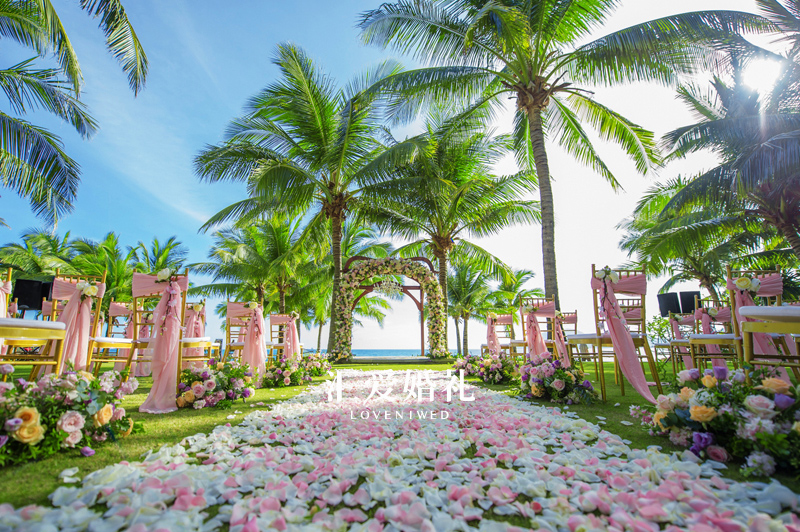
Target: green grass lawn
x,y
31,483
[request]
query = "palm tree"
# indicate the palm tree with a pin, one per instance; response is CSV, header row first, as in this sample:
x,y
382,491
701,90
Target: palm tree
x,y
486,49
39,255
170,254
511,290
32,160
447,194
303,144
94,258
470,296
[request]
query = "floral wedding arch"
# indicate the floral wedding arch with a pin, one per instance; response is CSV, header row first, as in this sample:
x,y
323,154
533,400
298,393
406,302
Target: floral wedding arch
x,y
418,269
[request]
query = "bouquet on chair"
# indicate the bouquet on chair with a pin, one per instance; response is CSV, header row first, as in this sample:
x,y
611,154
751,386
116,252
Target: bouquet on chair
x,y
722,417
60,412
219,384
543,377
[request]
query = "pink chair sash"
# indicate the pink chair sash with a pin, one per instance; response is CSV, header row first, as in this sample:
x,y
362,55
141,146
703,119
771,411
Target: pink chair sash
x,y
492,342
762,343
118,309
165,343
620,335
195,327
235,311
634,314
561,342
254,351
536,343
123,353
142,368
5,291
77,320
678,334
291,340
47,308
569,318
12,309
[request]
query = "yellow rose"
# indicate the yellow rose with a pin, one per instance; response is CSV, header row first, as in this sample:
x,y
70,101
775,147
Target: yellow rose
x,y
195,383
86,375
796,427
130,429
657,417
571,376
686,394
709,381
742,283
30,434
248,379
103,416
220,366
702,414
188,396
28,414
181,402
774,386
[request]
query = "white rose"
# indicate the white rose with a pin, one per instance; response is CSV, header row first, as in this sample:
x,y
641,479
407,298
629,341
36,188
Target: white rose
x,y
742,283
90,290
755,284
81,285
712,312
614,276
164,274
600,274
198,307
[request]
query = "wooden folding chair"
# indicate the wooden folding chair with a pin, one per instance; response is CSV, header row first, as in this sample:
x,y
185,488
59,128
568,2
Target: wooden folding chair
x,y
678,345
41,333
235,328
503,326
104,345
277,328
545,324
195,349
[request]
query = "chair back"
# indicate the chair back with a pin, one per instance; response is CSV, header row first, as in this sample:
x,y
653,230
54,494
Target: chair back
x,y
4,278
277,326
569,322
631,304
147,294
771,299
235,321
535,302
64,289
119,314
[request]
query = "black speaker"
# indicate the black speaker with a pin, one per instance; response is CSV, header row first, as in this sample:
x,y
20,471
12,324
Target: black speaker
x,y
47,290
28,293
668,303
687,301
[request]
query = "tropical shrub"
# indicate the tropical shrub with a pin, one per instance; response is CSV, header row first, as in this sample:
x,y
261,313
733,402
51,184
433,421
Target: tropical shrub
x,y
544,377
57,413
722,417
492,369
217,385
288,371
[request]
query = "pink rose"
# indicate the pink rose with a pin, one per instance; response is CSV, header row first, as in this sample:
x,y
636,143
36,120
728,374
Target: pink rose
x,y
199,390
761,406
665,403
73,438
119,413
558,384
287,381
717,453
210,385
71,421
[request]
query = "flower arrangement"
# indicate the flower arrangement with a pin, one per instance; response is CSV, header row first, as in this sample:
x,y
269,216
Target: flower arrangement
x,y
87,288
316,364
492,315
492,369
198,307
73,410
389,288
719,416
217,385
751,284
607,273
286,372
544,377
434,303
251,305
165,275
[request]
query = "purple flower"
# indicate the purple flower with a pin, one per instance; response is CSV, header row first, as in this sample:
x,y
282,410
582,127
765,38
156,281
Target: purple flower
x,y
12,424
3,440
6,369
695,449
557,363
724,387
87,451
205,375
183,387
212,362
231,394
246,393
694,374
782,402
738,376
721,372
702,439
248,373
587,385
708,371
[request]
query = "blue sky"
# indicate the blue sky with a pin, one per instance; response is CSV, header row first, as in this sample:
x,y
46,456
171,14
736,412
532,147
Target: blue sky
x,y
207,58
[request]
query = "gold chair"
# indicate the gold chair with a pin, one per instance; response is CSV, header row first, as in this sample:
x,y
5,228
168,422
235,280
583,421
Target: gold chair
x,y
634,311
776,321
195,349
41,333
235,328
678,345
504,327
277,329
106,344
545,324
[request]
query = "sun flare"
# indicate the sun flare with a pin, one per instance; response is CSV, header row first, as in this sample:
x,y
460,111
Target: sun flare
x,y
762,75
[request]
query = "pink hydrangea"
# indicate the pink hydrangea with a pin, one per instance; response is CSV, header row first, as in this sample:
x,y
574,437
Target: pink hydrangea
x,y
71,421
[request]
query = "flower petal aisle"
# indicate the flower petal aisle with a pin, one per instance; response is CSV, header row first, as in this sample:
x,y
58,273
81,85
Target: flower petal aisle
x,y
313,465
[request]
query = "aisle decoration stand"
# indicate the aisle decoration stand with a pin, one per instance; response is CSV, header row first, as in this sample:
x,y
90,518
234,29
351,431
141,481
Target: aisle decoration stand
x,y
608,282
165,340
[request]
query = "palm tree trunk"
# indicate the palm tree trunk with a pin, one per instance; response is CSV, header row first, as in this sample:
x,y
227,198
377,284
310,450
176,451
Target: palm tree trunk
x,y
336,252
281,301
319,337
458,336
466,335
789,232
441,257
546,204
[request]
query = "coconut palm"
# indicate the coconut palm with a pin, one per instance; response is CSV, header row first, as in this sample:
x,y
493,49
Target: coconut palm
x,y
447,194
470,296
303,145
32,160
536,53
158,256
511,290
94,258
39,256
